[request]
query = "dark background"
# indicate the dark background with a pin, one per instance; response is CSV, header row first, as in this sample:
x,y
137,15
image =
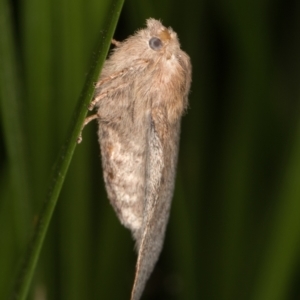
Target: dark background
x,y
234,229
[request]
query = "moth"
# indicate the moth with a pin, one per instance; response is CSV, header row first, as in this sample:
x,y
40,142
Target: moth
x,y
140,98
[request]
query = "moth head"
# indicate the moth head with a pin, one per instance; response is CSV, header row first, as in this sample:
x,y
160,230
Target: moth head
x,y
161,39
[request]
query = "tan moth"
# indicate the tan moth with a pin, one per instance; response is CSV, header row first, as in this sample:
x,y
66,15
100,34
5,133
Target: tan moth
x,y
140,98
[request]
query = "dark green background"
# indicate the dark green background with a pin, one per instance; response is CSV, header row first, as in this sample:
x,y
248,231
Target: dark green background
x,y
234,230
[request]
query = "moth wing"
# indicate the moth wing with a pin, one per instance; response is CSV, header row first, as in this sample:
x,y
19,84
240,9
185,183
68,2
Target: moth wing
x,y
123,145
161,163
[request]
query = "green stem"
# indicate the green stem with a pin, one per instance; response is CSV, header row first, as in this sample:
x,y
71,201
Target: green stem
x,y
65,156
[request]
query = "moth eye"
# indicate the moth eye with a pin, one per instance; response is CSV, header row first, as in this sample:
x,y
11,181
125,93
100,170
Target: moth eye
x,y
155,43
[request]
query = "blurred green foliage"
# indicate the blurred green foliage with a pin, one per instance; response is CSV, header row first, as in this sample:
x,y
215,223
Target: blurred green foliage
x,y
234,230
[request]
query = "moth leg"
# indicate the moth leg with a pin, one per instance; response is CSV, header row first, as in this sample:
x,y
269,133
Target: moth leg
x,y
116,43
86,121
137,64
111,77
97,99
104,94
